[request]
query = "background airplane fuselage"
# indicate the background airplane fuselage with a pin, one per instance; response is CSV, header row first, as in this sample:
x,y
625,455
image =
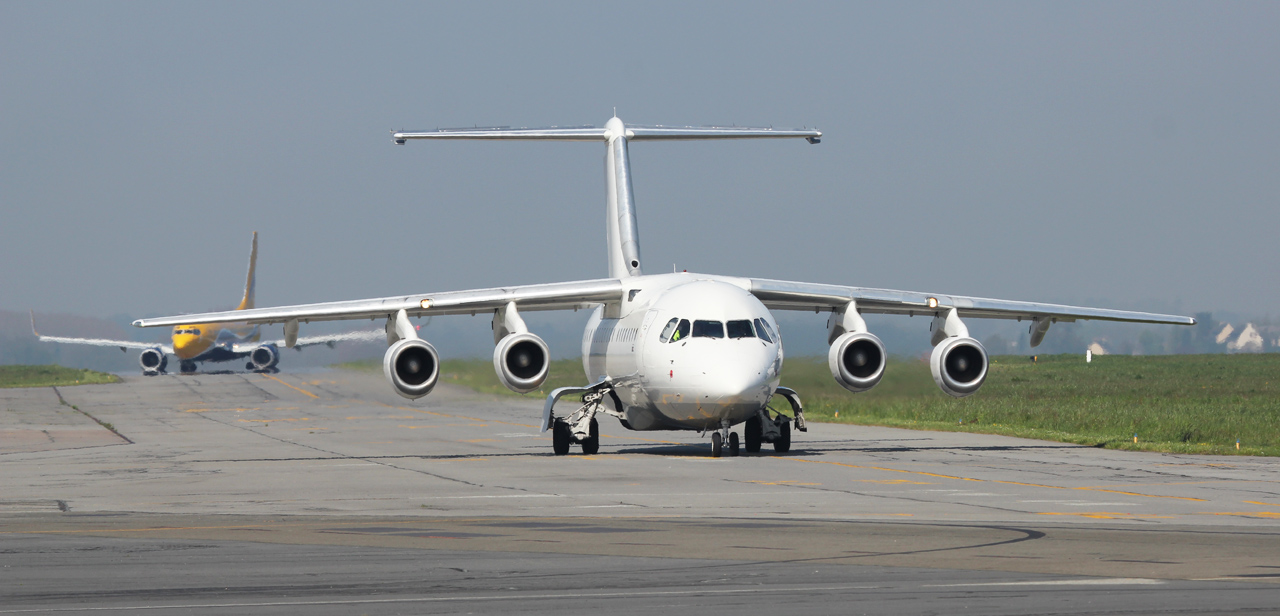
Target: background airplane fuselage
x,y
694,382
212,341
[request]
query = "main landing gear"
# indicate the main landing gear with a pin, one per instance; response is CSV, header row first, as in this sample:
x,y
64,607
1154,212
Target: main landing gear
x,y
766,426
581,427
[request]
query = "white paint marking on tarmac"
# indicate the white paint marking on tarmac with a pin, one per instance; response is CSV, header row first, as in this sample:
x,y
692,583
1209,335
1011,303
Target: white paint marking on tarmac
x,y
1091,582
512,597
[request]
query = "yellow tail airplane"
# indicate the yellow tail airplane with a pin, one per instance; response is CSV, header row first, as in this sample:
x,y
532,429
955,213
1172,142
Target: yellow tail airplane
x,y
216,342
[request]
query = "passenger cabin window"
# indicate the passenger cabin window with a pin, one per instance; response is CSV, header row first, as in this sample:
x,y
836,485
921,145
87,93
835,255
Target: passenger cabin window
x,y
764,331
740,329
708,329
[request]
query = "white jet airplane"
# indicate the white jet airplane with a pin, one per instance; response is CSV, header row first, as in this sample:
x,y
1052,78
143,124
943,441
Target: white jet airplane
x,y
676,351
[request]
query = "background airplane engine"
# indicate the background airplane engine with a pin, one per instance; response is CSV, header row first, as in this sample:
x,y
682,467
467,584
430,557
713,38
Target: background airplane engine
x,y
153,361
857,361
264,357
959,365
412,366
522,362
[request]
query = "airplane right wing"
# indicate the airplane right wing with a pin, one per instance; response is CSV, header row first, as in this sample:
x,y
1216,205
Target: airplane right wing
x,y
123,345
554,296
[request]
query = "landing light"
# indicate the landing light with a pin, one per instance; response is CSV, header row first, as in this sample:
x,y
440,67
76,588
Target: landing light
x,y
426,304
933,302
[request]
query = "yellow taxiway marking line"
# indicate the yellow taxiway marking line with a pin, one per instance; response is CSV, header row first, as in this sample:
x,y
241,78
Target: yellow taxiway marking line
x,y
279,419
1034,485
1262,503
894,481
293,387
1256,514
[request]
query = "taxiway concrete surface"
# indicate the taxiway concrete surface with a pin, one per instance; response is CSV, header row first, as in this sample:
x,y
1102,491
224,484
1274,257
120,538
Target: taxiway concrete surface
x,y
327,493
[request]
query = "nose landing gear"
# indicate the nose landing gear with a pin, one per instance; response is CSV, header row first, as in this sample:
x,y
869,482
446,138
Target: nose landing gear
x,y
719,439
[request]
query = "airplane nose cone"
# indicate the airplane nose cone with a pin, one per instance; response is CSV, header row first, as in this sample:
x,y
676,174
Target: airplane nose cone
x,y
183,344
740,376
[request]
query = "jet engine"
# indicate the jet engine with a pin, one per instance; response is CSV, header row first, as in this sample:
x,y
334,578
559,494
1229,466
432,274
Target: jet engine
x,y
522,362
857,361
264,358
412,366
959,365
153,361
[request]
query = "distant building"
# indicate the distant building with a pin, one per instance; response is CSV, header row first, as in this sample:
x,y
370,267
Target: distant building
x,y
1249,341
1225,334
1097,349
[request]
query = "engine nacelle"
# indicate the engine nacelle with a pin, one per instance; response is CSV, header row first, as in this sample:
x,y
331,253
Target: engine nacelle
x,y
959,365
264,357
412,366
522,362
153,361
857,361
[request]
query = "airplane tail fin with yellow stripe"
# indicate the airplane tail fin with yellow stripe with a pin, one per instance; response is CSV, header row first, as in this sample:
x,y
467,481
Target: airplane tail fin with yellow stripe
x,y
249,284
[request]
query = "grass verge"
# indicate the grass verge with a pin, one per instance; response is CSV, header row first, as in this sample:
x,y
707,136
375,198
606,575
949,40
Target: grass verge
x,y
51,376
1173,403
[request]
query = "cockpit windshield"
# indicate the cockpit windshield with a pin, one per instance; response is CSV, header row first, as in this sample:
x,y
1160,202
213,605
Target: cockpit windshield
x,y
708,329
676,329
765,332
740,329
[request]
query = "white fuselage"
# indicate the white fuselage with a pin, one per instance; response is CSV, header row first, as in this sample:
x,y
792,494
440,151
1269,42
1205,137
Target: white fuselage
x,y
711,365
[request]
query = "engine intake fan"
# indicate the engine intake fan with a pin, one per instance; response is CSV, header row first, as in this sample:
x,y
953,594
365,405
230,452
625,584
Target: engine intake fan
x,y
857,361
153,361
959,365
264,358
412,366
522,362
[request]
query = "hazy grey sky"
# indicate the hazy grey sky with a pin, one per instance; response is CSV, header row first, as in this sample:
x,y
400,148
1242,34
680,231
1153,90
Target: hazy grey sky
x,y
1126,153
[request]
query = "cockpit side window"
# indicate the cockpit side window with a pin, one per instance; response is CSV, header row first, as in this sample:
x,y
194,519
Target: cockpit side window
x,y
708,329
682,331
740,329
764,331
195,332
668,330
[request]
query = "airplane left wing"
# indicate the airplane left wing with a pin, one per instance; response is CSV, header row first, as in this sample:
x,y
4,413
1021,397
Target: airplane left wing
x,y
554,296
123,345
786,295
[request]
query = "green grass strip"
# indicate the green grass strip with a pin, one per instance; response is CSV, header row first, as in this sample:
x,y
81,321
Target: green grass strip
x,y
51,376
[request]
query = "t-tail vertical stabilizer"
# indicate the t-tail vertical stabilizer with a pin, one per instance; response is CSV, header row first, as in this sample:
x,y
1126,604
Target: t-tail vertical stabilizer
x,y
250,284
621,231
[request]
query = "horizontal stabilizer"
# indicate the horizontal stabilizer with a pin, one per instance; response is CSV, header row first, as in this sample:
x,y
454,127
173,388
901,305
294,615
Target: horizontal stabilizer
x,y
632,133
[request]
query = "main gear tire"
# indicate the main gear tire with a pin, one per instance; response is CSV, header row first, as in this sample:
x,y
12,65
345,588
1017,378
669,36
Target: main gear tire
x,y
752,433
561,437
591,445
783,444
